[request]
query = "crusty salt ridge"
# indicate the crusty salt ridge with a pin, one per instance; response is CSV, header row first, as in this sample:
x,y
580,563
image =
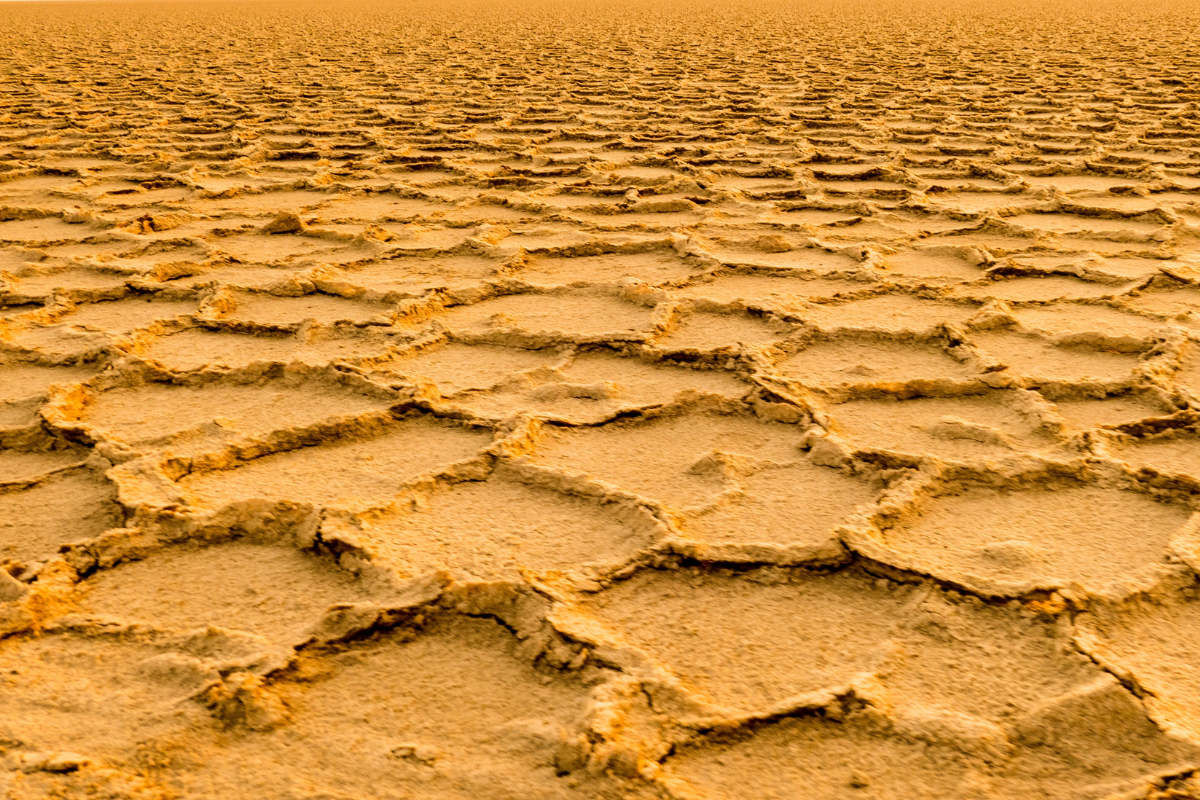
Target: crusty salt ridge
x,y
692,401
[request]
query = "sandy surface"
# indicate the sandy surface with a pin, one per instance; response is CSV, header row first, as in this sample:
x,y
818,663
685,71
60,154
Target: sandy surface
x,y
550,400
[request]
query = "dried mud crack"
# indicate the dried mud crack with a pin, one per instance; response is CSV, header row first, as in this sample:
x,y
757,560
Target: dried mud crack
x,y
694,401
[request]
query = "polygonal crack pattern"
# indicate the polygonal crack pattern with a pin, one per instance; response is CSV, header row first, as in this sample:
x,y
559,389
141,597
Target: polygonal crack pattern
x,y
495,401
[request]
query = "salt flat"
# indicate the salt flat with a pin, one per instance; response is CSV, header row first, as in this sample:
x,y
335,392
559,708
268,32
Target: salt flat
x,y
689,400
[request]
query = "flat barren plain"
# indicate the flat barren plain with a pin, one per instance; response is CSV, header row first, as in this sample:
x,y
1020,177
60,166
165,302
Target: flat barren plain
x,y
599,400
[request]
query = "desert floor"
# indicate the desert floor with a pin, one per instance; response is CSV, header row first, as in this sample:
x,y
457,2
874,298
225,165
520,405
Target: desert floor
x,y
440,399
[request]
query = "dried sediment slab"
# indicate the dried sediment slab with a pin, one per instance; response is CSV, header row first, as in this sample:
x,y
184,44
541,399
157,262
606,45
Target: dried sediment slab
x,y
1096,739
272,590
807,260
1187,374
84,698
191,349
36,282
865,360
204,413
652,267
11,311
1030,358
455,709
1130,267
1173,452
978,695
578,314
1017,662
415,274
1177,304
290,249
26,464
1075,318
1045,531
749,646
496,530
893,313
1064,749
792,512
645,383
713,330
766,290
248,202
362,469
62,508
929,265
153,259
381,206
680,459
1040,289
127,314
1081,410
218,274
268,309
816,758
1153,639
597,386
24,379
960,427
454,367
19,416
59,344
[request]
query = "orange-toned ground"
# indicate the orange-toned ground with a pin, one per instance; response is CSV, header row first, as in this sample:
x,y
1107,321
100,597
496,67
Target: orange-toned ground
x,y
528,400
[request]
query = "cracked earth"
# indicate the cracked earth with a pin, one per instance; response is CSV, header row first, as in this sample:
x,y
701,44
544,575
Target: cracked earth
x,y
690,401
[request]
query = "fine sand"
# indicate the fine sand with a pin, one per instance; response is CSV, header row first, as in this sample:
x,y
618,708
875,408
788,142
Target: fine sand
x,y
535,401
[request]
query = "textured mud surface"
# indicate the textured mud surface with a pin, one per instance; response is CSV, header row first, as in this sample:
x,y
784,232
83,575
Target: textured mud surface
x,y
618,401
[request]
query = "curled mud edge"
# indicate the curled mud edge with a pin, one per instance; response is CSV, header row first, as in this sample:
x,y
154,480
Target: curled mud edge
x,y
483,402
